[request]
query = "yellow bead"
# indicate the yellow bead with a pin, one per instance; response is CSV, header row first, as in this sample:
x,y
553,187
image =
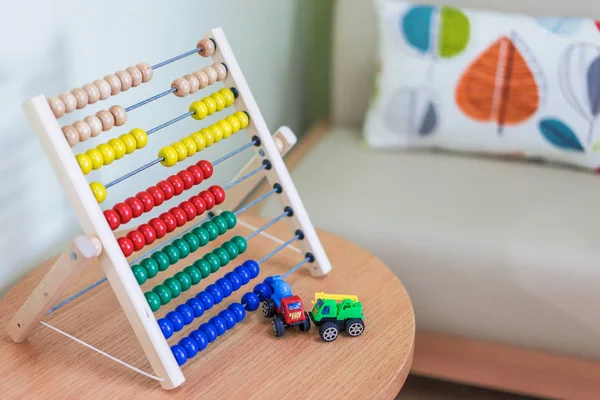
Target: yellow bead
x,y
219,101
99,191
217,131
234,122
226,127
169,156
85,163
181,150
243,118
190,145
208,135
199,140
141,139
228,96
97,158
211,105
130,143
108,153
119,147
200,110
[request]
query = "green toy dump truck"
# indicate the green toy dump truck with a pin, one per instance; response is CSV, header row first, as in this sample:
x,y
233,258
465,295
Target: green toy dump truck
x,y
335,312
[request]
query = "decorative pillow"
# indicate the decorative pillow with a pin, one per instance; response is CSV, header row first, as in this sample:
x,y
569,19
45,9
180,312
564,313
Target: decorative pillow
x,y
486,82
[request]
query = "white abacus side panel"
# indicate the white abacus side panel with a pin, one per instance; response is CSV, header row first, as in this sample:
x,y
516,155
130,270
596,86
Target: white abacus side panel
x,y
279,172
112,260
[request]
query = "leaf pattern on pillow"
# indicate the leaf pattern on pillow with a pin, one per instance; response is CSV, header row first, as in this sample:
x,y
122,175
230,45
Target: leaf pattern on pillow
x,y
412,111
561,26
560,135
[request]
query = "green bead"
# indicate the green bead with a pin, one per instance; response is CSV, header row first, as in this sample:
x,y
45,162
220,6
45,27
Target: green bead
x,y
221,224
151,266
140,274
204,267
192,240
194,273
202,235
174,286
223,256
164,294
183,247
153,300
213,261
162,259
230,218
231,248
241,243
184,279
211,228
172,252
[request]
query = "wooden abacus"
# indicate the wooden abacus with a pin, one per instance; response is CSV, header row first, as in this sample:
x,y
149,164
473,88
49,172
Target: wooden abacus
x,y
99,242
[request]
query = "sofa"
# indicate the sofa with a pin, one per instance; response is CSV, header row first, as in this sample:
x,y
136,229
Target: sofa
x,y
500,257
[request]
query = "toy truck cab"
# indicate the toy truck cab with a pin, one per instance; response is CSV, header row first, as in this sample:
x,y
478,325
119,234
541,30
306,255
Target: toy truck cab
x,y
335,312
285,308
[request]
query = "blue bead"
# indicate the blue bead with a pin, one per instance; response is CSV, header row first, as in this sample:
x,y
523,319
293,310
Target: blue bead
x,y
206,299
244,273
216,292
180,354
263,291
252,267
197,306
166,327
176,319
235,279
219,323
250,301
200,338
229,318
269,280
238,310
190,346
226,285
186,312
210,331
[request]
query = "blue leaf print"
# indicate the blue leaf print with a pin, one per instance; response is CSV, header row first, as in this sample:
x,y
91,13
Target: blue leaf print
x,y
593,87
416,26
560,135
560,26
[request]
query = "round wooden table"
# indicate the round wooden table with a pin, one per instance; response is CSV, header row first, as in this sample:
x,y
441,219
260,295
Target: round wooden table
x,y
247,362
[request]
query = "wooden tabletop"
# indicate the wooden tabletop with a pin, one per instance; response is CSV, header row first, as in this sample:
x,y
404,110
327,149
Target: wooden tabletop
x,y
246,362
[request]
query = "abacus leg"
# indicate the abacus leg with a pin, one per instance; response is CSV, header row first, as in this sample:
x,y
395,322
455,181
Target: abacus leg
x,y
82,252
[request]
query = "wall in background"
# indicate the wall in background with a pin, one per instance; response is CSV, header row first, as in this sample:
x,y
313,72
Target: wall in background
x,y
50,47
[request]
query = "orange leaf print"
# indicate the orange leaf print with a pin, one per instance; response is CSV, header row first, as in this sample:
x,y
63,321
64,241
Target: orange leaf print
x,y
499,86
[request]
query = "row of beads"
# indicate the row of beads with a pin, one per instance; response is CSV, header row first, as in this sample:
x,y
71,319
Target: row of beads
x,y
176,217
215,102
202,139
198,80
115,149
154,196
93,125
100,89
185,314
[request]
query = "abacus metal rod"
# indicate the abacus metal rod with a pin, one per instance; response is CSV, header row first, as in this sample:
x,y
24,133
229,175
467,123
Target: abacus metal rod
x,y
179,57
268,224
235,152
76,295
255,201
171,122
243,178
278,249
296,267
150,99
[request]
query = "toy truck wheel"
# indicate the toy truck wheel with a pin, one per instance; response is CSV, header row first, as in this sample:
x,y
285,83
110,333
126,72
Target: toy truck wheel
x,y
305,325
329,331
278,326
268,308
355,327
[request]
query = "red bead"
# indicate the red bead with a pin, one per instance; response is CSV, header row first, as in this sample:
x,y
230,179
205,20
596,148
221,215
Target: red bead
x,y
113,219
199,203
187,178
180,215
169,220
124,211
148,232
219,194
189,209
157,195
160,227
196,173
137,239
177,183
206,168
147,200
137,207
208,198
126,246
167,189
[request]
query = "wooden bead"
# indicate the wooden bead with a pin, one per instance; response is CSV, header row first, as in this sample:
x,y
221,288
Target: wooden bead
x,y
182,87
114,82
194,83
119,114
136,75
146,71
125,79
81,97
107,119
84,130
71,135
69,100
92,91
104,88
202,78
57,106
212,75
95,124
221,71
206,47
